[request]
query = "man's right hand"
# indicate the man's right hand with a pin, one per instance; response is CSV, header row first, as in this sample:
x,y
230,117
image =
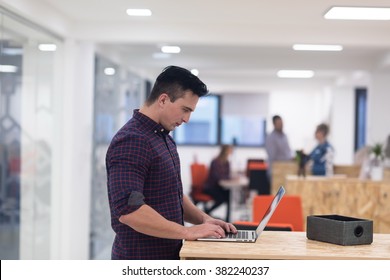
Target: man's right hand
x,y
204,230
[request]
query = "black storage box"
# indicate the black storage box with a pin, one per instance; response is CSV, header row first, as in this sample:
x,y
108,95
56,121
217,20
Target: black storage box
x,y
340,230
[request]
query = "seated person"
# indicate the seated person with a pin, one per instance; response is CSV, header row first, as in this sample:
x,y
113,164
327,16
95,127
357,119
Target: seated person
x,y
219,170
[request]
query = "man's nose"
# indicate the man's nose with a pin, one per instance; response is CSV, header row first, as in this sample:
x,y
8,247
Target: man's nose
x,y
186,118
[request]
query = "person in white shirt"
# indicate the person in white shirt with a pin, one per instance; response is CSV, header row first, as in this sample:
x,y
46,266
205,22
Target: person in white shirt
x,y
276,144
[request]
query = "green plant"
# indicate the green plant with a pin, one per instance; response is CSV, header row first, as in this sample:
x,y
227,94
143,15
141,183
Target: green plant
x,y
377,150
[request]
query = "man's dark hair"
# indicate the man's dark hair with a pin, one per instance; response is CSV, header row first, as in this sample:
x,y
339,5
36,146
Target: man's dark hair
x,y
173,81
275,118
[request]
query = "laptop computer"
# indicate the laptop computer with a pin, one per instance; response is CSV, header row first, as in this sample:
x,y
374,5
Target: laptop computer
x,y
251,235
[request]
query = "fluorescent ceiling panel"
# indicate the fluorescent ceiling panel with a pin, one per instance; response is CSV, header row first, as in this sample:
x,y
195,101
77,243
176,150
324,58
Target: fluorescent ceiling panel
x,y
139,12
311,47
358,13
304,74
47,47
170,49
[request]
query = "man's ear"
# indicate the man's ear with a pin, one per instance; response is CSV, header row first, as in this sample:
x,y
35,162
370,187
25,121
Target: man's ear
x,y
163,99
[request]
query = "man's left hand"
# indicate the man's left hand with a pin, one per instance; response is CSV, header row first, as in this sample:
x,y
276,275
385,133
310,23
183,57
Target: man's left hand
x,y
228,227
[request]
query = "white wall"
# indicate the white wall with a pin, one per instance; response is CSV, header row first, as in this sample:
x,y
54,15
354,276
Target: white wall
x,y
378,123
75,192
301,111
245,104
342,125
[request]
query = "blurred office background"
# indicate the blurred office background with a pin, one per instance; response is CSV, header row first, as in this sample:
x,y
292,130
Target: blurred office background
x,y
71,73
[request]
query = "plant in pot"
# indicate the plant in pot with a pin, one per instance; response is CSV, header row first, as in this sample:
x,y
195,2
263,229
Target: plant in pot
x,y
377,162
301,158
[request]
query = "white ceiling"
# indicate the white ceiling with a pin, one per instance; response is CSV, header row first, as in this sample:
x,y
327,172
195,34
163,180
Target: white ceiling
x,y
238,46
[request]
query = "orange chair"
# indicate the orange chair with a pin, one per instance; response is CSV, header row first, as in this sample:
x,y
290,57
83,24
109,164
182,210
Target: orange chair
x,y
288,211
255,164
288,214
248,225
199,174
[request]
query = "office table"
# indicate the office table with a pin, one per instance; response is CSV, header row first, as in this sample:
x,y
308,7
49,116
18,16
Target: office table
x,y
279,245
238,207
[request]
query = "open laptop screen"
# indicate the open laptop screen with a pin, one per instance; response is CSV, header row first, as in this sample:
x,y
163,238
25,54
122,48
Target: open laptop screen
x,y
271,209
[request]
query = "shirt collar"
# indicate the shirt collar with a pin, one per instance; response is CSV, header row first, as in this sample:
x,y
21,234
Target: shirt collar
x,y
149,124
278,132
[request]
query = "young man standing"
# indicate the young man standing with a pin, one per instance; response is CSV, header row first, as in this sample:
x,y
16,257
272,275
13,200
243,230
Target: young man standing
x,y
148,207
277,146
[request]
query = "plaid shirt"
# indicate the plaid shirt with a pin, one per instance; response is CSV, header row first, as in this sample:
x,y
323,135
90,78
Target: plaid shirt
x,y
143,159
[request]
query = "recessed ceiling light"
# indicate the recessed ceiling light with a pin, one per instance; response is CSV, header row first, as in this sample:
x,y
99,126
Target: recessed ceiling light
x,y
47,47
139,12
295,74
358,13
170,49
195,72
8,68
109,71
311,47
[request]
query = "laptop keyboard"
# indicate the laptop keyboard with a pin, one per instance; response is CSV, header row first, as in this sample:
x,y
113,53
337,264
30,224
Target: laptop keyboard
x,y
239,234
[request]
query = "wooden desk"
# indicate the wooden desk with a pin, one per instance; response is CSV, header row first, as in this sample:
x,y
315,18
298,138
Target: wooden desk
x,y
277,245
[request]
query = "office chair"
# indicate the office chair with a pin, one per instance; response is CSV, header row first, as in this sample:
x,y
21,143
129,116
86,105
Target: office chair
x,y
247,225
258,178
255,163
288,211
199,174
287,216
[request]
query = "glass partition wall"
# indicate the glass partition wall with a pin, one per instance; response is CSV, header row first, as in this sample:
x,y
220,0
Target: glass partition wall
x,y
30,64
118,92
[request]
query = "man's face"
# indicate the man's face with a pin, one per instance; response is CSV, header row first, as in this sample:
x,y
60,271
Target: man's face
x,y
278,125
175,113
